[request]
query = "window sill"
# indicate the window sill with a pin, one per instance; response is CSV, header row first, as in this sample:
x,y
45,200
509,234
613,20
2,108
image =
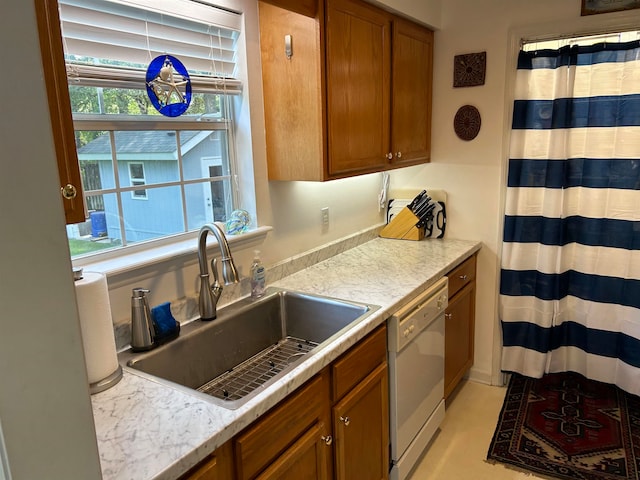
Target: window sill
x,y
183,251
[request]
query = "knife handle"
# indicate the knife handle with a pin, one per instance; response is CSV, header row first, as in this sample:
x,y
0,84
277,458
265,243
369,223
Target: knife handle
x,y
416,200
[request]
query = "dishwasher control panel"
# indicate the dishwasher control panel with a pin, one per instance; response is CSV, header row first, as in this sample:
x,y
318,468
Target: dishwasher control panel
x,y
414,317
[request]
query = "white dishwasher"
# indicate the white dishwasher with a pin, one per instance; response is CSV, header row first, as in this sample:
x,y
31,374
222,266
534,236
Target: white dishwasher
x,y
416,376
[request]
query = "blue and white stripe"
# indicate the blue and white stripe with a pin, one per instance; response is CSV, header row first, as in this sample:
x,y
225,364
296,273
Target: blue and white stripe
x,y
570,278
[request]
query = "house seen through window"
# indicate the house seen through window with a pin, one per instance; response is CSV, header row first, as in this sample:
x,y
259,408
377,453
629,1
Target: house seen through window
x,y
185,164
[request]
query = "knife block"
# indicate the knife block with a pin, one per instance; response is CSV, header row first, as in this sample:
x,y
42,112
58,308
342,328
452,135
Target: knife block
x,y
403,226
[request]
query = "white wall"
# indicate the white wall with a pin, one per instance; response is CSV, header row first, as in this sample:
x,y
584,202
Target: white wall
x,y
45,406
472,172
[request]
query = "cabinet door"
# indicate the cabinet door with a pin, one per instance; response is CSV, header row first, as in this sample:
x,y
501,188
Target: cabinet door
x,y
411,93
262,444
209,470
218,466
308,458
303,7
55,76
459,331
292,88
361,429
358,87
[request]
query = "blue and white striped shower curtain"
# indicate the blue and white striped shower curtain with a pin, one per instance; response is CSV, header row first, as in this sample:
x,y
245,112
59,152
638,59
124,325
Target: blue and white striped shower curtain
x,y
570,277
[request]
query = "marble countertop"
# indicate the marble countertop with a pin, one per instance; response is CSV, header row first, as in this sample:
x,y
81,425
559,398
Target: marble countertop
x,y
147,430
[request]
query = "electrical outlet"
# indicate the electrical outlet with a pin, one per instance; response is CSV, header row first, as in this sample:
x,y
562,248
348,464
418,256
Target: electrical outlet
x,y
325,215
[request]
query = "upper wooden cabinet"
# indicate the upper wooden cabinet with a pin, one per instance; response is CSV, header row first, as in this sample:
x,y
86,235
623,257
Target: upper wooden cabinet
x,y
55,77
411,94
353,95
358,59
304,7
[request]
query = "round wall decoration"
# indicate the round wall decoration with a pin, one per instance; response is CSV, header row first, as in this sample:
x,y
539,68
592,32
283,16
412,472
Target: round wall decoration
x,y
467,122
168,85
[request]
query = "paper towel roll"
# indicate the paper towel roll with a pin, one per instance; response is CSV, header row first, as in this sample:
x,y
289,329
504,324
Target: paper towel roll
x,y
92,297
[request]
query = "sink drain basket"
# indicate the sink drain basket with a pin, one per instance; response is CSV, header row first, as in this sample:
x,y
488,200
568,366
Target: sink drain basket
x,y
254,372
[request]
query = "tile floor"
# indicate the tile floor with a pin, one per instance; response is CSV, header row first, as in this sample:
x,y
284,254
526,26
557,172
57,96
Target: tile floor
x,y
459,449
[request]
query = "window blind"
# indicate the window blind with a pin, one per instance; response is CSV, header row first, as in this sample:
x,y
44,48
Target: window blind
x,y
114,41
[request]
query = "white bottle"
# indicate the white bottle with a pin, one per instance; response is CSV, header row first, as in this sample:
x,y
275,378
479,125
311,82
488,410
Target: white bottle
x,y
257,276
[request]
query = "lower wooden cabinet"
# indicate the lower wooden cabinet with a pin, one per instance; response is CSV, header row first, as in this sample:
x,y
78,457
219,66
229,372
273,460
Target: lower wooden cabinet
x,y
362,441
308,457
459,324
294,429
217,466
334,426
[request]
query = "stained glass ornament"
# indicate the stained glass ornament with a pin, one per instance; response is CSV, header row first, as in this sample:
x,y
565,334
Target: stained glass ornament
x,y
238,222
168,85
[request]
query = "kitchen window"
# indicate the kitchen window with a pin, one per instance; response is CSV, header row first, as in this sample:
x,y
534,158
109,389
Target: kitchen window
x,y
186,164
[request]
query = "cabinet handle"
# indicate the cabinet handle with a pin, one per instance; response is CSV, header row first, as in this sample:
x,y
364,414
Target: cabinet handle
x,y
345,420
448,316
389,156
288,48
69,192
463,277
399,154
328,440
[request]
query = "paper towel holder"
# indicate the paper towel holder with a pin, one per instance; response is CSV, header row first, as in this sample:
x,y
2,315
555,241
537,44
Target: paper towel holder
x,y
107,382
111,379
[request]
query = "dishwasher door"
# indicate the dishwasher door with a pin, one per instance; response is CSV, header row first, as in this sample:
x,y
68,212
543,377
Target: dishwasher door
x,y
416,376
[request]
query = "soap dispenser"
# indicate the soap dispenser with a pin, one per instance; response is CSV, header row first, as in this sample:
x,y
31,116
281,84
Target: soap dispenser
x,y
257,276
142,330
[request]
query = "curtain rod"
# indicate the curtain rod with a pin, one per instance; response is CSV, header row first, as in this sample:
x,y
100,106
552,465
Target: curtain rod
x,y
586,34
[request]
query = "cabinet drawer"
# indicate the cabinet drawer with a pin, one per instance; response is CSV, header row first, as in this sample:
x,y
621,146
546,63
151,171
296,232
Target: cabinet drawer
x,y
462,275
358,362
259,445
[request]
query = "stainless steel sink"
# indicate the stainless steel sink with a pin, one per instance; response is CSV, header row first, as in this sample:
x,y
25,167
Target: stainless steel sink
x,y
250,345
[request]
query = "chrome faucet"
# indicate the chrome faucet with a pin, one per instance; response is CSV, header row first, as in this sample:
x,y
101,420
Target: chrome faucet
x,y
210,294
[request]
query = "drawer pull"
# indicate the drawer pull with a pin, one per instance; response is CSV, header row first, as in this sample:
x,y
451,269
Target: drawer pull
x,y
345,420
464,277
328,440
448,316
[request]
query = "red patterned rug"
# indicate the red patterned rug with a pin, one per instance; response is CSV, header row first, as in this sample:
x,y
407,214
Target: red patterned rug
x,y
565,426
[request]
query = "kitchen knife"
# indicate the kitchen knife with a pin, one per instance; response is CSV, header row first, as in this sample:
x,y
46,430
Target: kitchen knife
x,y
421,205
417,199
424,214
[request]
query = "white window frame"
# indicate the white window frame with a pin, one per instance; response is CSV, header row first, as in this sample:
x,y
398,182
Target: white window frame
x,y
113,123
